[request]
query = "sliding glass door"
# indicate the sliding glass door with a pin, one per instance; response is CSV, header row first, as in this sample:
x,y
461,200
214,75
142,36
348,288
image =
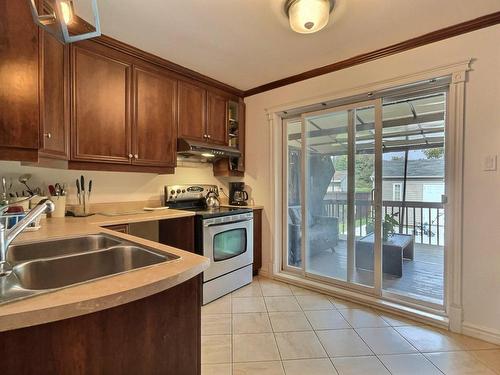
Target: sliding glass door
x,y
363,196
332,223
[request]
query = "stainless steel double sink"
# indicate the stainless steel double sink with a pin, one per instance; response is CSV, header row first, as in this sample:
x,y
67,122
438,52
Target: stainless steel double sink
x,y
50,265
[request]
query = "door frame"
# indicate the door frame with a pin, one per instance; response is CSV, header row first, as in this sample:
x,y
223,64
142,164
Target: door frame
x,y
456,73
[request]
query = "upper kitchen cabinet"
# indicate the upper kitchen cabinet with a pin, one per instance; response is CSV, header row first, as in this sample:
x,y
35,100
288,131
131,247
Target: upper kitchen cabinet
x,y
192,111
19,83
216,118
236,133
54,98
101,110
154,132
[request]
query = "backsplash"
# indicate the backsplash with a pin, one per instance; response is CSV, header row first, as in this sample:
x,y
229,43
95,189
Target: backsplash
x,y
113,186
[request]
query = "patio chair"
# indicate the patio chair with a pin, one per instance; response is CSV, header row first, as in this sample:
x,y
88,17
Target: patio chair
x,y
322,231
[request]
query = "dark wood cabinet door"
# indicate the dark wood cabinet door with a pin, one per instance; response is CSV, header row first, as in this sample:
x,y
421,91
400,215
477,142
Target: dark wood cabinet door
x,y
154,133
101,113
257,241
19,82
191,111
216,118
54,126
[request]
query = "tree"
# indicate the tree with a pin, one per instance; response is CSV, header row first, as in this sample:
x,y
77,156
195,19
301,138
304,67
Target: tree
x,y
434,153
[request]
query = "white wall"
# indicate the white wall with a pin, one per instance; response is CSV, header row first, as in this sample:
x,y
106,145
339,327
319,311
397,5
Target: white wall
x,y
114,186
481,237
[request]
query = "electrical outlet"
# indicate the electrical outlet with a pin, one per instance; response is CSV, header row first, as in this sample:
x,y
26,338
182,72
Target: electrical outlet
x,y
490,163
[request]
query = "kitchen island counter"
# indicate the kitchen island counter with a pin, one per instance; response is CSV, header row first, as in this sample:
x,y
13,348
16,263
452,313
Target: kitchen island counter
x,y
108,292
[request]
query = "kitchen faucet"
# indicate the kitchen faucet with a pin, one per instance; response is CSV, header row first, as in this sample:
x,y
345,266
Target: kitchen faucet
x,y
8,235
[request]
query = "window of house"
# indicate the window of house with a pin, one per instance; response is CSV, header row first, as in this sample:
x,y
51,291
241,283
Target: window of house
x,y
397,191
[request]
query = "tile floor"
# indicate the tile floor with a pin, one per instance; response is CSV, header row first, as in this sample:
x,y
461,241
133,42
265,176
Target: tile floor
x,y
271,328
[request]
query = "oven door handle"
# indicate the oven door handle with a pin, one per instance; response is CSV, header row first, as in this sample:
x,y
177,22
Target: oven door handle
x,y
226,223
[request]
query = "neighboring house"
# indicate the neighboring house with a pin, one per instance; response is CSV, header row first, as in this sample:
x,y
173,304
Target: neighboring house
x,y
424,182
339,182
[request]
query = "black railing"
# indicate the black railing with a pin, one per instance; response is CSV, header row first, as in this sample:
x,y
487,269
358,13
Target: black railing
x,y
425,220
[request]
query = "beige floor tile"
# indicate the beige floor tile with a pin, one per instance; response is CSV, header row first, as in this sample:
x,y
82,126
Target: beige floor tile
x,y
289,321
274,288
360,366
326,319
299,345
490,358
219,324
385,341
363,318
409,364
218,369
427,339
398,321
298,291
321,366
282,303
315,302
258,368
219,306
255,347
343,343
216,349
248,305
344,304
251,323
471,343
250,290
459,363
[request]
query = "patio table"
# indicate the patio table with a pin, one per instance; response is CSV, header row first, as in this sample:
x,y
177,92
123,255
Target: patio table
x,y
394,249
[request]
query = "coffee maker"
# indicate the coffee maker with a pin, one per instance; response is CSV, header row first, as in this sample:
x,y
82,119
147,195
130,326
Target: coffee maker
x,y
237,194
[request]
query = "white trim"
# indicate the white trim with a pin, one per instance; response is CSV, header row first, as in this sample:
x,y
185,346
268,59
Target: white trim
x,y
455,122
400,184
482,333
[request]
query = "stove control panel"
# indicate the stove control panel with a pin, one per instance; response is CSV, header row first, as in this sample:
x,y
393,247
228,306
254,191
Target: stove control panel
x,y
180,193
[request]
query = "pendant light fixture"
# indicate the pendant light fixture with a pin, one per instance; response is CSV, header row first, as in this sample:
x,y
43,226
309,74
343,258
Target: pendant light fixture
x,y
67,20
308,16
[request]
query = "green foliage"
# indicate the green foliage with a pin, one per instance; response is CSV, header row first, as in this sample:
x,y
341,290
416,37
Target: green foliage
x,y
434,153
364,170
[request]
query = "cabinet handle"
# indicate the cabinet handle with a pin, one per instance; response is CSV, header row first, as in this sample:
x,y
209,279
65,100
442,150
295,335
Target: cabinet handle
x,y
205,136
130,156
136,156
47,135
209,136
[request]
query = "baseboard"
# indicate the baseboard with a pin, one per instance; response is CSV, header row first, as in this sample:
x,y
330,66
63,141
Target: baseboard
x,y
264,272
480,332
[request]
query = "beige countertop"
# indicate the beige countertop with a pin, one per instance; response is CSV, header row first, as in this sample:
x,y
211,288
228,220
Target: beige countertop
x,y
252,206
107,292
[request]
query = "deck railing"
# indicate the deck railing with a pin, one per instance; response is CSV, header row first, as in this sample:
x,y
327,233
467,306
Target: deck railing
x,y
425,220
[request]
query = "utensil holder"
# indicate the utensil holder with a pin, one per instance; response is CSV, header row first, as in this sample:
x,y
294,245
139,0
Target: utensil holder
x,y
25,204
35,200
60,206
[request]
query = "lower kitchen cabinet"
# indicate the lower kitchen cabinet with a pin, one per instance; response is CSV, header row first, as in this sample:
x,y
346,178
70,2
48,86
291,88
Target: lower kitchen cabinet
x,y
178,233
122,228
159,334
257,241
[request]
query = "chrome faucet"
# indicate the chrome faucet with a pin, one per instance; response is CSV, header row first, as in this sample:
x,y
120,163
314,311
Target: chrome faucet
x,y
8,235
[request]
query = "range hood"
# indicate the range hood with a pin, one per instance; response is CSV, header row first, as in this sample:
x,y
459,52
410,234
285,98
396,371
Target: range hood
x,y
206,151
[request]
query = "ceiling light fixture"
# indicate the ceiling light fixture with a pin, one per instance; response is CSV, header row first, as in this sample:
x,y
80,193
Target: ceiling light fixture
x,y
308,16
63,20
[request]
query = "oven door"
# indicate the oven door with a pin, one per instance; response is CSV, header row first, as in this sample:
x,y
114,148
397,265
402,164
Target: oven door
x,y
228,243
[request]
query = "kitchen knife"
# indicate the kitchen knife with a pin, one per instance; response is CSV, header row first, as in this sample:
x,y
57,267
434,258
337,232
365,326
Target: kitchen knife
x,y
90,189
78,192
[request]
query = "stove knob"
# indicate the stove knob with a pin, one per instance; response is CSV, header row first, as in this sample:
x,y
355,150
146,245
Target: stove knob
x,y
183,191
172,192
178,191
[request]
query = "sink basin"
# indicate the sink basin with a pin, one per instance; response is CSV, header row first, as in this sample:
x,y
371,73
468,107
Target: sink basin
x,y
63,271
65,246
50,265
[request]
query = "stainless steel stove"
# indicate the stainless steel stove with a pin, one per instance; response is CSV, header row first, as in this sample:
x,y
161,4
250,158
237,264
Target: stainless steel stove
x,y
223,234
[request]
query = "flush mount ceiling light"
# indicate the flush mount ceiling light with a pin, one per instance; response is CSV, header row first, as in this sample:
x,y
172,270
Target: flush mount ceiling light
x,y
308,16
67,20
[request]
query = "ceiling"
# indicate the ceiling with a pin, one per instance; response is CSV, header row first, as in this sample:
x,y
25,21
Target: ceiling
x,y
247,43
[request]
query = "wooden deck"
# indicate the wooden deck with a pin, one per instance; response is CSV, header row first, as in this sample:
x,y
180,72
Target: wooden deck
x,y
422,277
